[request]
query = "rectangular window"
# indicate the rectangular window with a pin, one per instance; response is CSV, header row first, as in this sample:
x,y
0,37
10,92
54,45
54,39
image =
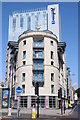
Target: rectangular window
x,y
38,54
24,42
52,56
38,76
24,62
38,43
14,23
51,42
38,65
28,23
24,54
52,76
23,88
21,22
52,63
23,77
52,88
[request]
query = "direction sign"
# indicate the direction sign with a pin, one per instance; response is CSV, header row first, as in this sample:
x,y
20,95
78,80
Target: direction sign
x,y
18,90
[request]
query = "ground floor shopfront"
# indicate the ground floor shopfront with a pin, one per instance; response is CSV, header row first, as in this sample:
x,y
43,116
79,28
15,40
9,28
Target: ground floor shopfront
x,y
44,101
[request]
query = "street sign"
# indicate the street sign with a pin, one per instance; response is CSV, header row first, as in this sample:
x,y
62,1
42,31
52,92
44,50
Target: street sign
x,y
18,90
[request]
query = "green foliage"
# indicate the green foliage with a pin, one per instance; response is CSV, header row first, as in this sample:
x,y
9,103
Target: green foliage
x,y
78,92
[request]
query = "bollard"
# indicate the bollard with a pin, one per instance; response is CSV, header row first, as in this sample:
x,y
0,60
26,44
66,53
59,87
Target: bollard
x,y
33,112
9,112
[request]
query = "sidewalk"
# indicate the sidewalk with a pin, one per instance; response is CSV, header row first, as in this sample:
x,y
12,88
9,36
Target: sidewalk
x,y
42,111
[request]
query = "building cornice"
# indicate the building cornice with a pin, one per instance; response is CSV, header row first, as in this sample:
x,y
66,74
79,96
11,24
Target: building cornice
x,y
36,34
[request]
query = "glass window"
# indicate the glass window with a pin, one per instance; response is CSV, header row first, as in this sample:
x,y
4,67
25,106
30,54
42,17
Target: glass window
x,y
51,42
52,76
21,22
28,23
52,63
24,62
52,88
38,43
23,88
14,23
38,54
37,76
23,76
38,65
24,42
52,56
24,54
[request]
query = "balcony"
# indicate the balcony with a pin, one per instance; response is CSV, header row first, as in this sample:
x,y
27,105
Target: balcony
x,y
38,67
38,56
38,45
38,79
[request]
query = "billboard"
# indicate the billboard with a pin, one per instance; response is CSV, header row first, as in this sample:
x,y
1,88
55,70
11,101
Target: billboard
x,y
5,97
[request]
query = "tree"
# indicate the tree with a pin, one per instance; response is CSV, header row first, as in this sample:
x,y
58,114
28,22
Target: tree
x,y
78,92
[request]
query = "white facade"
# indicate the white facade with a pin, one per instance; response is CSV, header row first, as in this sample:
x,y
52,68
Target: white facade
x,y
49,92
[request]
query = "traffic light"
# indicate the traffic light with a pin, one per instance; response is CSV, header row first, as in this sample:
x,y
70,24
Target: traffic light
x,y
60,93
36,89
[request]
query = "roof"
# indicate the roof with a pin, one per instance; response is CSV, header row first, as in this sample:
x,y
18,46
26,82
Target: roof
x,y
28,31
13,44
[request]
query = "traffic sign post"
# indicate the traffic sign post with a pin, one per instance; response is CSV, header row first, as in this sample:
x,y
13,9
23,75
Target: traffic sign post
x,y
18,90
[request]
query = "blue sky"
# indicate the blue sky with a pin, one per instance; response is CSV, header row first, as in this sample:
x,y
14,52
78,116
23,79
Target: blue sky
x,y
69,30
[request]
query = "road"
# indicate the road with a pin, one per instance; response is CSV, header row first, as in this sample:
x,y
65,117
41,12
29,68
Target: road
x,y
76,111
75,115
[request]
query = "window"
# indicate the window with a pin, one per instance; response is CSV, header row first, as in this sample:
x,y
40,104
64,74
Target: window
x,y
24,62
14,23
52,88
38,65
52,76
52,57
23,88
24,42
24,54
38,54
38,76
23,77
51,42
28,23
52,63
21,22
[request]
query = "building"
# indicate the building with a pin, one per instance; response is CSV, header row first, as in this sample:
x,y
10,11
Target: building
x,y
37,56
43,18
35,53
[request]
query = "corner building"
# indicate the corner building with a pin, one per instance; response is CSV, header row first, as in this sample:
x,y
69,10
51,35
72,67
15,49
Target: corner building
x,y
38,60
35,53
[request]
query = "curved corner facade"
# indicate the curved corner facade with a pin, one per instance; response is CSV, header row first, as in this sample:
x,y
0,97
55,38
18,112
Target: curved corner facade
x,y
38,61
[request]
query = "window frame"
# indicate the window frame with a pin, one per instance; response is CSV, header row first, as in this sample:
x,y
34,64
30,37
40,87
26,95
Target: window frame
x,y
52,76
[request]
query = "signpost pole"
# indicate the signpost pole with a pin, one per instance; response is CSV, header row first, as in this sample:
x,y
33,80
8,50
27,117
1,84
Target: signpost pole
x,y
18,107
18,90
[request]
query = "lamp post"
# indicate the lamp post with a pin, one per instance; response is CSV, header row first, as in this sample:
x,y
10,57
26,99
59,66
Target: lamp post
x,y
64,102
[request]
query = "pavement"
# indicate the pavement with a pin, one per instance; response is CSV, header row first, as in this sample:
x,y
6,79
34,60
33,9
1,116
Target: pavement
x,y
43,112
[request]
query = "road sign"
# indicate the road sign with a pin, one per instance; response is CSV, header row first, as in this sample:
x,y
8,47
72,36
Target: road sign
x,y
18,90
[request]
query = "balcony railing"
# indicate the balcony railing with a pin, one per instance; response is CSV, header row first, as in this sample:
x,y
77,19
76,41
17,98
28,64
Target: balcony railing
x,y
39,45
38,56
38,67
38,79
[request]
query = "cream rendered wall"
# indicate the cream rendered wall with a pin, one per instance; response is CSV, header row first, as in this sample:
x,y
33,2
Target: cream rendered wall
x,y
48,69
29,89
